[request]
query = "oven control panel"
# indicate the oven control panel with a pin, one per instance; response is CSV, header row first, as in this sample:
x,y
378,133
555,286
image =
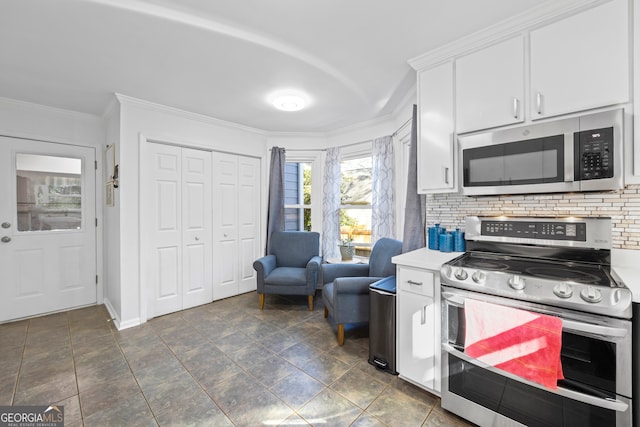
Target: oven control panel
x,y
575,231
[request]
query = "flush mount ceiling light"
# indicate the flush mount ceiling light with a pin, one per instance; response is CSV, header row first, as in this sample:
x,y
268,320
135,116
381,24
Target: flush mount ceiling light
x,y
289,103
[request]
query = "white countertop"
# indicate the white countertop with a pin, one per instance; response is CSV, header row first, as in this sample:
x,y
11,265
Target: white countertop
x,y
425,258
625,264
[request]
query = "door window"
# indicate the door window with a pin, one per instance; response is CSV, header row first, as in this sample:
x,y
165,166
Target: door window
x,y
49,192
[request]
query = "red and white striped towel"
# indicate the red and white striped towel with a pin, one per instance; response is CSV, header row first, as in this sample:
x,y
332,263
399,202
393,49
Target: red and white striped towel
x,y
517,341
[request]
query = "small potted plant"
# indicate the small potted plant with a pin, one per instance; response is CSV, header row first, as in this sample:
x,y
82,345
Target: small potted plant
x,y
347,250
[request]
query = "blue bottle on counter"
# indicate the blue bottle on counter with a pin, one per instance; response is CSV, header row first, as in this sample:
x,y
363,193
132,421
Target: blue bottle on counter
x,y
459,244
434,234
446,242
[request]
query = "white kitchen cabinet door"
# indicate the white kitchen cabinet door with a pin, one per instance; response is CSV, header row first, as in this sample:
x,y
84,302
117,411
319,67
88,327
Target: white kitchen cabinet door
x,y
490,86
581,62
416,328
436,146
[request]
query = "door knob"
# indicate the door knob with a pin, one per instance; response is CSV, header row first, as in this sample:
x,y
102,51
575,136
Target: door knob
x,y
6,225
197,238
6,239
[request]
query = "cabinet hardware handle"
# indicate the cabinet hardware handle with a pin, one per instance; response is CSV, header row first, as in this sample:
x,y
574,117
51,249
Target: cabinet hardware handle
x,y
446,175
539,102
6,225
6,239
423,315
412,282
516,107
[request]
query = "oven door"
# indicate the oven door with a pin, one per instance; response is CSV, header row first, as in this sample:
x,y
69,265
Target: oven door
x,y
596,362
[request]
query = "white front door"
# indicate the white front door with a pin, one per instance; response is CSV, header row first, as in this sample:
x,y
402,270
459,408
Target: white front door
x,y
47,227
179,219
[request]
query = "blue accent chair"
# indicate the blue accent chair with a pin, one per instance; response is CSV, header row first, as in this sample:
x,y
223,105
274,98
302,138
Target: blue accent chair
x,y
345,293
292,267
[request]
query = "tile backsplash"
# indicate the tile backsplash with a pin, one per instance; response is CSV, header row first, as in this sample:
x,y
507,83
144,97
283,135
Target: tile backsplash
x,y
623,207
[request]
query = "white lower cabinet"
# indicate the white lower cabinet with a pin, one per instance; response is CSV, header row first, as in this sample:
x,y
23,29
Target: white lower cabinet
x,y
418,330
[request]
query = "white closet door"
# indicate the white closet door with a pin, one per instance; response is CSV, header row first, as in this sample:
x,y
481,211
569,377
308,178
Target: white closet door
x,y
249,220
165,272
197,222
226,225
180,272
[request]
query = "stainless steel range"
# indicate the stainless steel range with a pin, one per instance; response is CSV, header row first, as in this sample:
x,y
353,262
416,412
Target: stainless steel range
x,y
552,266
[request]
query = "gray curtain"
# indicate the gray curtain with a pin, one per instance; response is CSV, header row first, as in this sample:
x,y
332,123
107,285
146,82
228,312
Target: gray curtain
x,y
275,208
382,203
415,206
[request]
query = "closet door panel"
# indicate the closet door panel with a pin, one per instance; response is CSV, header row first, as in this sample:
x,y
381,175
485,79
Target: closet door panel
x,y
249,215
197,224
165,270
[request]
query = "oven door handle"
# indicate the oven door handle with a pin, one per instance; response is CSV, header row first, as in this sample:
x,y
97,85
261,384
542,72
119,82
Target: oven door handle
x,y
608,403
453,299
571,325
604,331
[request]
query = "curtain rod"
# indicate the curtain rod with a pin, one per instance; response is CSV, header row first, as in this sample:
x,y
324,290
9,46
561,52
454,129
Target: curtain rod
x,y
353,143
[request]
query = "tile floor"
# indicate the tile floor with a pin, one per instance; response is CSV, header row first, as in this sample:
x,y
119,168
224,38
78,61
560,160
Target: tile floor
x,y
224,363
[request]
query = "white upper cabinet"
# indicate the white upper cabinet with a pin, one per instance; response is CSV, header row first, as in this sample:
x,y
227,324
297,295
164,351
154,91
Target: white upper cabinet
x,y
435,130
581,62
490,86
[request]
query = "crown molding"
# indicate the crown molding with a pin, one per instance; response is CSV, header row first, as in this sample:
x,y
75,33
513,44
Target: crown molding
x,y
51,110
539,15
159,108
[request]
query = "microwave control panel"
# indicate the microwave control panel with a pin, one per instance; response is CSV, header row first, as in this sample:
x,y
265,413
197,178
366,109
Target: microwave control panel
x,y
594,154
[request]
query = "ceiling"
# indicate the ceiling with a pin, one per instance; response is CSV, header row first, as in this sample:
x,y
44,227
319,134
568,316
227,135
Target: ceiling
x,y
227,58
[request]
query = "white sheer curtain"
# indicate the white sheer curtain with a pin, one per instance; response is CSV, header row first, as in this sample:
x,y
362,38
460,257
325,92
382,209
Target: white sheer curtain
x,y
331,204
382,198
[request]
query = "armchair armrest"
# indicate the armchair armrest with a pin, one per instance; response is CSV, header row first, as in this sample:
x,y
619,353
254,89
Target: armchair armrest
x,y
264,265
314,272
332,271
353,285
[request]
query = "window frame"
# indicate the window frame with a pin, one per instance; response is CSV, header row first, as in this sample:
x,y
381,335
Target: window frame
x,y
313,158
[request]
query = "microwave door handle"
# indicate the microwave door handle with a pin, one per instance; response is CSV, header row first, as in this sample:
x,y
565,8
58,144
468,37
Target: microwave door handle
x,y
569,158
608,403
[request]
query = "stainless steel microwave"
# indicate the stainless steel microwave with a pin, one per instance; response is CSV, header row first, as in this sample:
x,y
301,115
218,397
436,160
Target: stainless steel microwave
x,y
582,153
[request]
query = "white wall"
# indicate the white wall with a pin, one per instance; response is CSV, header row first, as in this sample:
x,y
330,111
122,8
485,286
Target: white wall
x,y
142,121
112,293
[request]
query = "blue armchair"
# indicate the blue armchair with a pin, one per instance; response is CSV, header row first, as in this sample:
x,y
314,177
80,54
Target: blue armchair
x,y
345,293
292,267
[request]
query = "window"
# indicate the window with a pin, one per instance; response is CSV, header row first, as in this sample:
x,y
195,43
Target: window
x,y
355,199
297,196
49,192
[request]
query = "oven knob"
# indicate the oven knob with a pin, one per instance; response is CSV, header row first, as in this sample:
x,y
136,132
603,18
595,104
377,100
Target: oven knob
x,y
563,290
461,274
516,282
479,276
591,294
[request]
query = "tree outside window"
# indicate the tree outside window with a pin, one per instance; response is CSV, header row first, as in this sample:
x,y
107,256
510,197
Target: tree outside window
x,y
355,199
